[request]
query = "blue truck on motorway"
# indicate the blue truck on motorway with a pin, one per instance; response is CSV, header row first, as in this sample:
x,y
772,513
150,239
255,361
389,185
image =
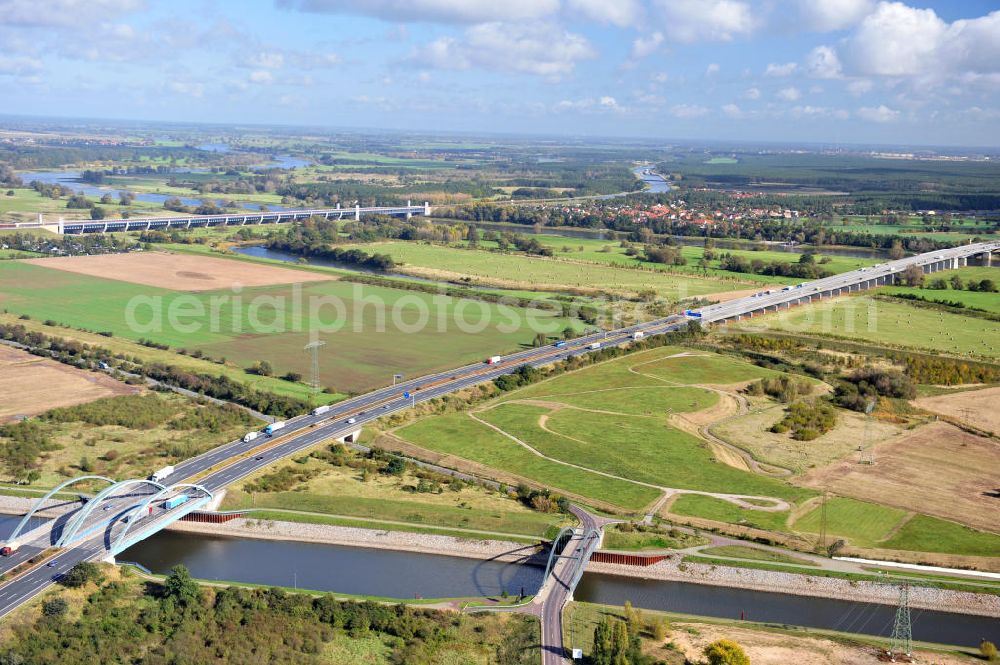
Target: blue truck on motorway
x,y
175,501
274,427
693,314
559,344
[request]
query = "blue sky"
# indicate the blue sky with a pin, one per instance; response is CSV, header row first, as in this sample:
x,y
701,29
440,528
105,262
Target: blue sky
x,y
849,71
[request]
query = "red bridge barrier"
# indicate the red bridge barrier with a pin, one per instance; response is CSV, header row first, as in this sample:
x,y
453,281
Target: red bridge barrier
x,y
211,518
627,559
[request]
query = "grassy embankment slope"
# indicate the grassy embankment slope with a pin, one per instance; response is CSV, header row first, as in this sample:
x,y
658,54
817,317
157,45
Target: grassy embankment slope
x,y
607,419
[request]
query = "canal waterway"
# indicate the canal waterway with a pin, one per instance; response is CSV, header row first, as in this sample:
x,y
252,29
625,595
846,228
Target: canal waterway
x,y
377,572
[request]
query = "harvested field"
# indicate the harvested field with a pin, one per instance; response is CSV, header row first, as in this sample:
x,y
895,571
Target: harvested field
x,y
32,385
769,647
977,407
937,469
751,432
179,272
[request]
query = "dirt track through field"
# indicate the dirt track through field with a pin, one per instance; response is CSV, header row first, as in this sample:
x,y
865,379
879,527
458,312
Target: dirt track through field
x,y
777,505
180,272
32,385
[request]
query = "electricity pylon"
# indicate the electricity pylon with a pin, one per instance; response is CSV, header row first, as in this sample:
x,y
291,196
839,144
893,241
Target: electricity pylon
x,y
313,347
867,447
901,643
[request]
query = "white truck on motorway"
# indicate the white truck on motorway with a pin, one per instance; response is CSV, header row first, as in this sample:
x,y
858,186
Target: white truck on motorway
x,y
638,334
157,476
250,436
493,360
320,409
595,345
274,427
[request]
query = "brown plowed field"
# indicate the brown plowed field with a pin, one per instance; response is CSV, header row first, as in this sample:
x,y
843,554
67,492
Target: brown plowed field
x,y
937,470
981,408
179,272
32,385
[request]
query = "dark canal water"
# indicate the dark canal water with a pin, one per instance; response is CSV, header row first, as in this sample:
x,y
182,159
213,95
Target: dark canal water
x,y
388,573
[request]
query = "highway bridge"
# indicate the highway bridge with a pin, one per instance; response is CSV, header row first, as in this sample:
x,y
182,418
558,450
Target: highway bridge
x,y
845,283
234,219
126,512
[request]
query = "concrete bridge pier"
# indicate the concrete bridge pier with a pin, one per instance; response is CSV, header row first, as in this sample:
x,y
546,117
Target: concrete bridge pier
x,y
409,213
357,212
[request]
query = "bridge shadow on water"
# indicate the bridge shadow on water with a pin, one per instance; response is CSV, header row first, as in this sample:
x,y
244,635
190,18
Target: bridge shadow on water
x,y
524,573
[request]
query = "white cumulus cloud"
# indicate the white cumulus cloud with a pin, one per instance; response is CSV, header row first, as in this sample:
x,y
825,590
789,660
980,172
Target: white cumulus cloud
x,y
823,63
789,94
779,70
688,111
19,66
881,113
435,11
64,13
732,111
261,76
828,15
715,20
646,46
897,40
616,12
537,48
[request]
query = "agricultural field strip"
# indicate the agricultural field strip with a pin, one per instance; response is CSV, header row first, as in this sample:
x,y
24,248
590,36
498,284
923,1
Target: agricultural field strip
x,y
96,304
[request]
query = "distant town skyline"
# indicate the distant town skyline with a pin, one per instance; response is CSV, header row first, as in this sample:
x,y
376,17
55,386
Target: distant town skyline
x,y
841,71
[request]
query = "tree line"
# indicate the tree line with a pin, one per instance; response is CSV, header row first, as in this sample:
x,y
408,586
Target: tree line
x,y
178,622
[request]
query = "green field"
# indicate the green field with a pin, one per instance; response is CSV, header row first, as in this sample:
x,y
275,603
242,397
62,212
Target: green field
x,y
962,229
608,419
457,434
710,508
127,347
612,252
342,491
572,252
534,272
703,368
17,254
652,370
890,323
27,203
986,301
754,554
923,533
862,524
639,448
413,333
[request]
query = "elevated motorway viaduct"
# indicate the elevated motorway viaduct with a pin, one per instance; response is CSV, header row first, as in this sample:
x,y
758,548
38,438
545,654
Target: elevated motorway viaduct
x,y
229,463
845,283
